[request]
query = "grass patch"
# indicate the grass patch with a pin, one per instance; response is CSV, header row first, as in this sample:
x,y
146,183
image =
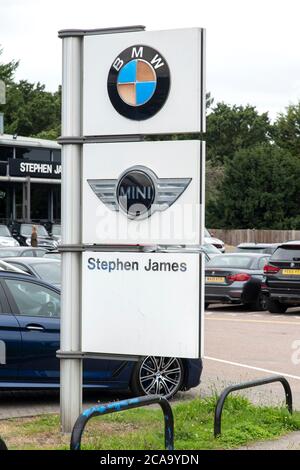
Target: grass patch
x,y
142,428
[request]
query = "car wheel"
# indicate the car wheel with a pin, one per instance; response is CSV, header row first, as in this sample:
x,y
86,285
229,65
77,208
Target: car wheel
x,y
157,376
274,306
261,303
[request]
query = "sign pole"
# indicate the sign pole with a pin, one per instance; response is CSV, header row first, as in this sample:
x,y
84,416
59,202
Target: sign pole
x,y
71,367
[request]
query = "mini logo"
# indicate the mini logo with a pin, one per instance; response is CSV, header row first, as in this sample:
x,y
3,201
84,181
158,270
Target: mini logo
x,y
138,192
138,82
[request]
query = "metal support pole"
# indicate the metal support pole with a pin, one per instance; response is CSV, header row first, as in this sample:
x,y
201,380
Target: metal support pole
x,y
70,368
28,200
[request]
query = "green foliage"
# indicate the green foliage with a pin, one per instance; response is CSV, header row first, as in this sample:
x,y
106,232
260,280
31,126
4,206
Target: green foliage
x,y
7,71
30,110
231,128
287,130
260,189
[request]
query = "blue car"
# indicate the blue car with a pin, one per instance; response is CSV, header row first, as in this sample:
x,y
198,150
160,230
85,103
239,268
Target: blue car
x,y
29,334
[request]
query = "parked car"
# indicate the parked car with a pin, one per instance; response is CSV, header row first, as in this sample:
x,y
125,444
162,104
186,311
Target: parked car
x,y
46,269
56,232
22,233
52,255
20,251
6,238
283,278
208,238
236,278
268,248
210,250
4,266
30,327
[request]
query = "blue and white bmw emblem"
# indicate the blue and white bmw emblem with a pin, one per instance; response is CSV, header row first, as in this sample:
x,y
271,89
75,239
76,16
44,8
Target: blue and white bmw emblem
x,y
138,82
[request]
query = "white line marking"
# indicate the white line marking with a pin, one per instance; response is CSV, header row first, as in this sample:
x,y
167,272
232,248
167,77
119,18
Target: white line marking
x,y
296,377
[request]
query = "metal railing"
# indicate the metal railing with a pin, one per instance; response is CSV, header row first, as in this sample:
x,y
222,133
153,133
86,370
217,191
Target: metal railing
x,y
242,386
2,445
122,406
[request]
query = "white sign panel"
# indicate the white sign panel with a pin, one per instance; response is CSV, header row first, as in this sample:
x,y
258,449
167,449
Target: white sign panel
x,y
138,304
142,193
149,82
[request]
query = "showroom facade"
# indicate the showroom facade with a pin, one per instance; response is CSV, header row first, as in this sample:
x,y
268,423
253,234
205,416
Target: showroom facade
x,y
30,176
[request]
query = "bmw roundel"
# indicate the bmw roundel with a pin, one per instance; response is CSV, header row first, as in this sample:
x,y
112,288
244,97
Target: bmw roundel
x,y
138,82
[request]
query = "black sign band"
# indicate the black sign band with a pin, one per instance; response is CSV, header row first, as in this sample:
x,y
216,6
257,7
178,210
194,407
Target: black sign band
x,y
37,169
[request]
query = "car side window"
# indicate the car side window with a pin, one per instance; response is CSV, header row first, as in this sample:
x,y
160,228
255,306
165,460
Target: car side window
x,y
28,253
34,300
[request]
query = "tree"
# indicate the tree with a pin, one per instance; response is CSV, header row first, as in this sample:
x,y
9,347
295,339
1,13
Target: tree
x,y
7,71
32,111
260,189
287,130
230,128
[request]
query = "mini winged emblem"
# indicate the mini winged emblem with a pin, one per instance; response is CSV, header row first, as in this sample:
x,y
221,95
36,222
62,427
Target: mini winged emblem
x,y
138,192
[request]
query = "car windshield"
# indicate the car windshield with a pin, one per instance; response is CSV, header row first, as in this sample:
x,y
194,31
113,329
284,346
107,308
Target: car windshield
x,y
227,261
288,253
56,230
4,232
49,272
209,248
26,230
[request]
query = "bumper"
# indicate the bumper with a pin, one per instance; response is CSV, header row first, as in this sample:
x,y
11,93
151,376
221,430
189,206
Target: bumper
x,y
193,371
287,296
225,294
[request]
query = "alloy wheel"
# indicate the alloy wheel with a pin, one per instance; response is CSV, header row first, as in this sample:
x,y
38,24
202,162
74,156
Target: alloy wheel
x,y
160,375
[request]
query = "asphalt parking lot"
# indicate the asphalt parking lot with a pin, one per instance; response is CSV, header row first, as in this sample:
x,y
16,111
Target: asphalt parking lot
x,y
239,345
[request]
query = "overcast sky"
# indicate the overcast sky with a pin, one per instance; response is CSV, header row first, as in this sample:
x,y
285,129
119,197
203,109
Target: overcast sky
x,y
253,47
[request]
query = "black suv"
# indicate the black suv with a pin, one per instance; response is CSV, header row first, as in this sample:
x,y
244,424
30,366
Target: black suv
x,y
283,277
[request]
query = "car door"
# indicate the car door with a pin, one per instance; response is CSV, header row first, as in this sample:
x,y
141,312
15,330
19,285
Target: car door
x,y
10,342
37,310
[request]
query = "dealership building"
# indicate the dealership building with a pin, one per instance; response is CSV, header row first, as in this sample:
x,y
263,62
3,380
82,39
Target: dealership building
x,y
30,176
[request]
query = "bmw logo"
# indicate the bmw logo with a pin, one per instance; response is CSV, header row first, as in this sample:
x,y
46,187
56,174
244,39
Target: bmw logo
x,y
138,82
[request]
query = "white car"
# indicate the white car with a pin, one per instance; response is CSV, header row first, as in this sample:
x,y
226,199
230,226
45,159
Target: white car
x,y
213,241
6,238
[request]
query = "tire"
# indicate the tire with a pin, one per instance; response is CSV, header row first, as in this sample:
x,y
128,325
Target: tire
x,y
157,376
261,303
274,306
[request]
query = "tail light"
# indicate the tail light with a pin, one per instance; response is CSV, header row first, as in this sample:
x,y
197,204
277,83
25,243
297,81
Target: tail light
x,y
241,277
269,269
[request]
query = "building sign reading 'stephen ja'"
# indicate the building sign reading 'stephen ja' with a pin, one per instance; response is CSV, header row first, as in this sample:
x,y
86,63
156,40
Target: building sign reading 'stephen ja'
x,y
35,169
